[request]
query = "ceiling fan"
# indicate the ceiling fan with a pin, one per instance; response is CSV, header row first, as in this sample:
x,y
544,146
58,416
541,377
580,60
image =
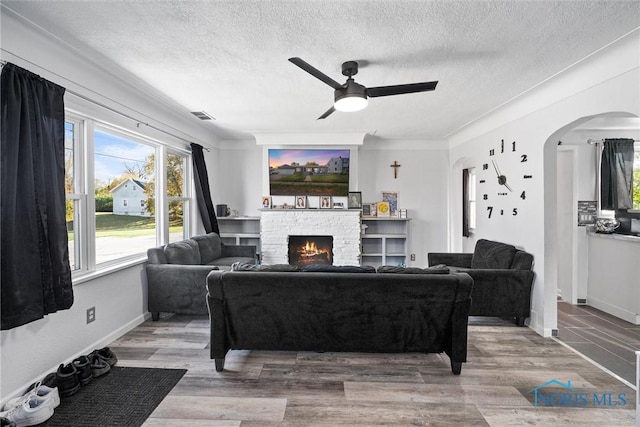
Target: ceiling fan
x,y
352,96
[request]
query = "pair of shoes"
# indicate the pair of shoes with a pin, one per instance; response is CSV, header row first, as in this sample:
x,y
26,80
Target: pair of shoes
x,y
31,411
99,366
83,367
42,392
105,354
67,380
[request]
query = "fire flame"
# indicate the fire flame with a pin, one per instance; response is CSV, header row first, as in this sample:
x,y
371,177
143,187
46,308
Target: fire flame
x,y
310,249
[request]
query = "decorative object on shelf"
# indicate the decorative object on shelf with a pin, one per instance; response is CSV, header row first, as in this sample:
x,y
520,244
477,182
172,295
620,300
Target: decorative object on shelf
x,y
383,209
222,210
354,200
301,202
606,225
325,202
266,203
369,209
403,213
395,165
363,228
338,205
503,196
392,198
587,212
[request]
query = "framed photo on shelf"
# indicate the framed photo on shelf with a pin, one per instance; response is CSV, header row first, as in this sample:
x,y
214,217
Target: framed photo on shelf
x,y
354,200
369,209
325,202
383,209
266,203
301,202
392,198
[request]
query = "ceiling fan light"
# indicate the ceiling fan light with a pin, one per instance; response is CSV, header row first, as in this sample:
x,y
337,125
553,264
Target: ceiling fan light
x,y
351,103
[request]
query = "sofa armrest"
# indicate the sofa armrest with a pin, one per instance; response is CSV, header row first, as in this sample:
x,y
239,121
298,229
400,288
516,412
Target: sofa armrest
x,y
498,292
176,288
450,259
229,251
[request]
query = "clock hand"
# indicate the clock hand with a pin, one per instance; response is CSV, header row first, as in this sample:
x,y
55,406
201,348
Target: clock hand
x,y
507,185
495,166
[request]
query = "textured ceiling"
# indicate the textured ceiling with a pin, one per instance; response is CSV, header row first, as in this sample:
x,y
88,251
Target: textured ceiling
x,y
229,58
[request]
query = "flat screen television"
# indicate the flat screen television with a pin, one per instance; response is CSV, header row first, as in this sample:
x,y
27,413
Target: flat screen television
x,y
312,172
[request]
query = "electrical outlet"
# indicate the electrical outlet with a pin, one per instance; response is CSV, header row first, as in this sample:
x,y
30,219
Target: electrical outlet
x,y
413,257
91,314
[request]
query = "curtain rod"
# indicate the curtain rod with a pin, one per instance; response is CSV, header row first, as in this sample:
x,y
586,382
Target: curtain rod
x,y
106,107
598,141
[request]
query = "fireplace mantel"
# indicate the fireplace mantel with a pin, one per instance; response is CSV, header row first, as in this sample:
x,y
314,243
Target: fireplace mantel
x,y
276,225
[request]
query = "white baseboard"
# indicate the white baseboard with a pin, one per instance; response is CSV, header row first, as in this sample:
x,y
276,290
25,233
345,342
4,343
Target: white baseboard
x,y
620,312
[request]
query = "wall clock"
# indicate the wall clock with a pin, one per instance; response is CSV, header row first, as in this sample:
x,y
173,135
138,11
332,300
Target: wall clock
x,y
503,180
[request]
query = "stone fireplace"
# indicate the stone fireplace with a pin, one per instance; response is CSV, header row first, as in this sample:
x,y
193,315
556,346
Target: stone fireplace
x,y
277,226
305,250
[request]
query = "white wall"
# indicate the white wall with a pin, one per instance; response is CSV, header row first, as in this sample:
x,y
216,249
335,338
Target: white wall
x,y
605,82
120,298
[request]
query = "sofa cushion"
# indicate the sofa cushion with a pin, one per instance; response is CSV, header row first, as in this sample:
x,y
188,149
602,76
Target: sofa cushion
x,y
436,269
210,247
182,252
339,268
490,254
242,266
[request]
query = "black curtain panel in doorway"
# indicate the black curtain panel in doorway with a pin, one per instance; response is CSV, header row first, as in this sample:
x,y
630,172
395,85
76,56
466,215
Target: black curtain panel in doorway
x,y
35,272
203,193
617,174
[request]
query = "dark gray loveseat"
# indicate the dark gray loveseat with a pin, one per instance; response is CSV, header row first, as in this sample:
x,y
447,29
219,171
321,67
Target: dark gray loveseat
x,y
502,278
177,272
336,311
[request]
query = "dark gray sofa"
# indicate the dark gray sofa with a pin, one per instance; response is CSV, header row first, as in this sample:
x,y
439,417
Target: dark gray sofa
x,y
177,272
339,311
502,278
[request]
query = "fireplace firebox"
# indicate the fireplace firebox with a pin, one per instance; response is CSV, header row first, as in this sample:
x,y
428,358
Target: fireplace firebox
x,y
305,250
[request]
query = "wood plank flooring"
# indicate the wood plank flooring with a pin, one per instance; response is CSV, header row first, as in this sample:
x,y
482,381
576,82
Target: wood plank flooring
x,y
606,339
261,388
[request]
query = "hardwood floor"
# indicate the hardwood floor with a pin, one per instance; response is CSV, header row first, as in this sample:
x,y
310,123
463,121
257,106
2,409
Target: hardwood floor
x,y
604,338
260,388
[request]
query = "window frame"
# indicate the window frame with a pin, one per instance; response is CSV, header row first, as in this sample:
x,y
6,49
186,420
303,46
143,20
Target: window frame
x,y
85,127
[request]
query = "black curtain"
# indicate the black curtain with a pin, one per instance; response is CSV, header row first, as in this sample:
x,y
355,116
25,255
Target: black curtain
x,y
35,272
203,194
616,174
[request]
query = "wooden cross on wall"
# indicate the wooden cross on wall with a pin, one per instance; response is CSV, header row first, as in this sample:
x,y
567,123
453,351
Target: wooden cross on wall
x,y
395,167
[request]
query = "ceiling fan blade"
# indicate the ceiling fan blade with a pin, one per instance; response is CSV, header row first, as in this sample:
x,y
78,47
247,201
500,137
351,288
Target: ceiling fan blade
x,y
315,72
372,92
326,113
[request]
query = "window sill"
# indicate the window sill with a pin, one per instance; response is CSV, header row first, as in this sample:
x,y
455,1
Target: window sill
x,y
78,277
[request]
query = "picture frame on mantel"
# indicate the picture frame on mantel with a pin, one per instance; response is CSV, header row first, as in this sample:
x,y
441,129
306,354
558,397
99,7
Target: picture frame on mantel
x,y
266,203
301,202
354,200
325,202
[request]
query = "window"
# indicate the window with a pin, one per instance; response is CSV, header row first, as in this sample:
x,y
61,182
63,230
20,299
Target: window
x,y
636,176
176,194
109,173
468,201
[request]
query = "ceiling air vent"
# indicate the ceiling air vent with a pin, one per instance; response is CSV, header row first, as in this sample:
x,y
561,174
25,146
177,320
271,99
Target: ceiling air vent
x,y
202,115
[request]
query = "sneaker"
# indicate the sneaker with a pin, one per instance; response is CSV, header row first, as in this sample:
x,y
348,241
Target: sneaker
x,y
67,380
6,422
98,365
83,366
106,354
30,412
39,390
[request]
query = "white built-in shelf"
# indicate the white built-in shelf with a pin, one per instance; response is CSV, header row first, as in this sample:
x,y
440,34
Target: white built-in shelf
x,y
240,230
385,241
